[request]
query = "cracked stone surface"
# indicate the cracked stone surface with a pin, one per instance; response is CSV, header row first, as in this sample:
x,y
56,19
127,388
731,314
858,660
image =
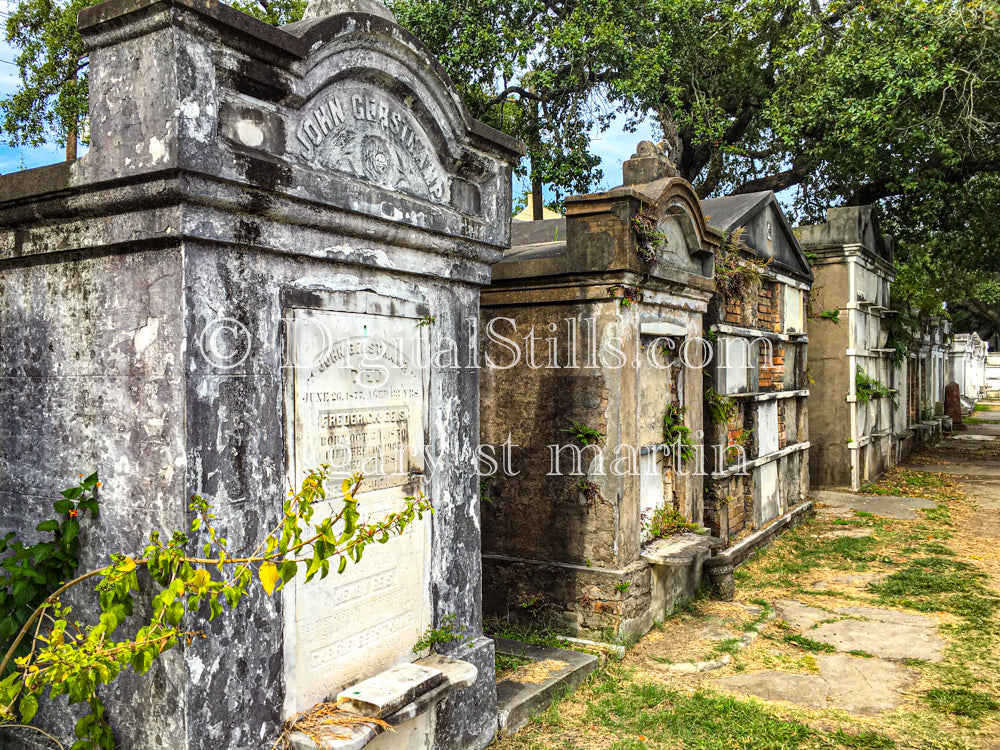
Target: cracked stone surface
x,y
885,639
854,684
889,615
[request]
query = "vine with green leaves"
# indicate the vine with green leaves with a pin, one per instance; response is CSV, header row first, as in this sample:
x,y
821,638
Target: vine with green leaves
x,y
30,574
72,658
738,272
903,330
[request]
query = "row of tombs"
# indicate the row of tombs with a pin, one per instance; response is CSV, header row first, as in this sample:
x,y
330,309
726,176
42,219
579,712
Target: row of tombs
x,y
292,246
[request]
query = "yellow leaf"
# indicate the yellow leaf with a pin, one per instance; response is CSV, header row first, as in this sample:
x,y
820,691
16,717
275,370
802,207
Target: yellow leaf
x,y
345,487
268,576
201,579
128,565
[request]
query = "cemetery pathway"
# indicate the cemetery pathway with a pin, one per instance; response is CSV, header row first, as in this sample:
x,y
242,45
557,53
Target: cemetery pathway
x,y
872,625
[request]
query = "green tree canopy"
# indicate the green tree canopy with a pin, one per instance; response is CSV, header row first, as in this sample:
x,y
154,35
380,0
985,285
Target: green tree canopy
x,y
895,102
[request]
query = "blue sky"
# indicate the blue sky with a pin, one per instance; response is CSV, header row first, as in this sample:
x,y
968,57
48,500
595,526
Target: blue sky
x,y
613,146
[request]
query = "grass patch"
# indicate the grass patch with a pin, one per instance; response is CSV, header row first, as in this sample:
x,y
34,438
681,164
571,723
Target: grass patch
x,y
809,644
708,721
961,702
928,576
909,483
539,636
987,407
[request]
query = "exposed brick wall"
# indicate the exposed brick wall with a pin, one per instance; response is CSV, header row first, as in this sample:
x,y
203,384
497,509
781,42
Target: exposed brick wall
x,y
782,435
729,509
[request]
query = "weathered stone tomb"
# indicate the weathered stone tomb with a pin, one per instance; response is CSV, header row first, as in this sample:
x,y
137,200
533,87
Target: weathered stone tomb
x,y
757,434
272,233
967,365
851,430
591,337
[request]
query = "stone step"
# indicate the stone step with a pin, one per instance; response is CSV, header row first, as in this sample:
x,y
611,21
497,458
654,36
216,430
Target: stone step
x,y
517,702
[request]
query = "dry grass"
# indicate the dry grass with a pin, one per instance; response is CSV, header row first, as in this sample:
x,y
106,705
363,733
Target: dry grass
x,y
536,672
324,723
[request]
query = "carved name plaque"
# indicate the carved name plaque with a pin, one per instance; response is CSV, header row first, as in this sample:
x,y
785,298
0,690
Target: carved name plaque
x,y
367,133
356,402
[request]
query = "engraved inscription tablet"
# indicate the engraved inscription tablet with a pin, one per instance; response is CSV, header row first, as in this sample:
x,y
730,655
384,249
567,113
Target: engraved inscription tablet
x,y
367,133
356,401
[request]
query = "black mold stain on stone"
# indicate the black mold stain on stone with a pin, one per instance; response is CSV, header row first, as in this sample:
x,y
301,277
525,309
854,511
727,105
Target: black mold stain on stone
x,y
254,79
247,232
264,173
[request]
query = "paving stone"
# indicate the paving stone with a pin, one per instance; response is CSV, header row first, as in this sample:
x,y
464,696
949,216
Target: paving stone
x,y
890,640
857,685
800,616
889,615
842,504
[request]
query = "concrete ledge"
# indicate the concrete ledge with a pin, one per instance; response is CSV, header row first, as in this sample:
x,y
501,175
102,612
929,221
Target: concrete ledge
x,y
455,675
720,567
761,460
517,702
680,550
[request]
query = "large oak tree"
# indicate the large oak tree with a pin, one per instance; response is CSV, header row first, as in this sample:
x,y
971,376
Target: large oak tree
x,y
894,102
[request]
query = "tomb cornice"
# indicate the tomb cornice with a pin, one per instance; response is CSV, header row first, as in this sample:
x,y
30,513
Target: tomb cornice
x,y
172,206
591,287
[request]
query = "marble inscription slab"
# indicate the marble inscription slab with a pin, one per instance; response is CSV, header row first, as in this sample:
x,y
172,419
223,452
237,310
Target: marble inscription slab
x,y
357,402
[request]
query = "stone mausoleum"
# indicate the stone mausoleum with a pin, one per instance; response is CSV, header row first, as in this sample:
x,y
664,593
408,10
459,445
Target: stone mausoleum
x,y
967,366
852,436
273,231
591,337
757,428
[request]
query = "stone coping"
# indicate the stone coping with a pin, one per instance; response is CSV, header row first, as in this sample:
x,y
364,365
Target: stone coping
x,y
679,550
455,675
726,328
739,552
770,395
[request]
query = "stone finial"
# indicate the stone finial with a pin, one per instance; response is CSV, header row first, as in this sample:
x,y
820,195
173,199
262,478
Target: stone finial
x,y
322,8
649,163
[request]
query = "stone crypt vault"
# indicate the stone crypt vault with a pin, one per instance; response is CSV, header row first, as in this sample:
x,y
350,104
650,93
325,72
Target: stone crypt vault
x,y
257,204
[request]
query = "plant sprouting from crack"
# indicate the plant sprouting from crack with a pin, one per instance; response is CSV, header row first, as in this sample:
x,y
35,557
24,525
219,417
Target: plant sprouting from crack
x,y
738,272
585,433
449,631
676,434
626,295
649,238
722,408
